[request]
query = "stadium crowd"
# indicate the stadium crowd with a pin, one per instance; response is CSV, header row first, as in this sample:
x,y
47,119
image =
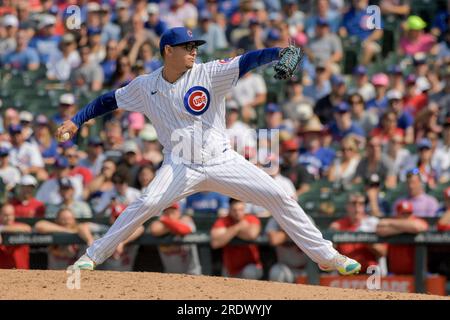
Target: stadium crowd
x,y
367,115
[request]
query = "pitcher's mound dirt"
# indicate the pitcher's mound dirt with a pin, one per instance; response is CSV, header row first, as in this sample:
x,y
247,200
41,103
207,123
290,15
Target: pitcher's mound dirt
x,y
37,284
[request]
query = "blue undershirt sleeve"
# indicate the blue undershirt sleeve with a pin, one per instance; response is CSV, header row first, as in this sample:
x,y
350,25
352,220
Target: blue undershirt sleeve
x,y
256,58
97,107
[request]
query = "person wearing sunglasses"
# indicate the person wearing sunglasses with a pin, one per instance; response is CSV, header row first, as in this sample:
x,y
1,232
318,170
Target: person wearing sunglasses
x,y
424,205
357,220
185,102
401,256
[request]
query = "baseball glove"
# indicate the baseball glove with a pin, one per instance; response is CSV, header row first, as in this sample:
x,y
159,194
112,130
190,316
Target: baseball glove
x,y
290,57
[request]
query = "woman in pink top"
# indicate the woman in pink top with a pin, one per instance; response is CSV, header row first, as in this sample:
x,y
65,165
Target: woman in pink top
x,y
416,40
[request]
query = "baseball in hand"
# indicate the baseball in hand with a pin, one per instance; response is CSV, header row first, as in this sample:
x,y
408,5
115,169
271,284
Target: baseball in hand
x,y
65,137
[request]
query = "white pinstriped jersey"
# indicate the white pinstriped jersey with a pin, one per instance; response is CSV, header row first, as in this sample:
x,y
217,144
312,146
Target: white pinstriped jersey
x,y
193,106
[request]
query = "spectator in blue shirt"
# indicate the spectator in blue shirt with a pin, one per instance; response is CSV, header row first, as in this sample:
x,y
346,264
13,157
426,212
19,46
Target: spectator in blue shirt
x,y
146,54
23,58
109,64
323,12
313,156
45,42
440,24
381,82
110,30
211,32
343,124
154,21
207,203
355,24
405,119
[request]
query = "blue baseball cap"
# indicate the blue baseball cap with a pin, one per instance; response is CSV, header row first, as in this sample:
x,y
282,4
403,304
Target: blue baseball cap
x,y
394,69
61,162
177,36
342,107
4,151
273,35
93,31
15,128
272,107
360,70
424,144
205,15
322,22
337,80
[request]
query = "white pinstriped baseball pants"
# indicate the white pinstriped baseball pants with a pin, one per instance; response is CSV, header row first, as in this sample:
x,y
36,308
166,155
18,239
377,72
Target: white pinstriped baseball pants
x,y
230,174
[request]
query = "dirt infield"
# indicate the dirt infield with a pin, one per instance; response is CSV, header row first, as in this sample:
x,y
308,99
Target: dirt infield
x,y
37,284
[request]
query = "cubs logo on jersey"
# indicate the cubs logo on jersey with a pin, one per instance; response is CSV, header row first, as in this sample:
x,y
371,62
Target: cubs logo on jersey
x,y
196,100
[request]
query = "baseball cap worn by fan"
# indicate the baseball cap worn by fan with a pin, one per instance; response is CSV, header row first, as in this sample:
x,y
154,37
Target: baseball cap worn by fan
x,y
415,23
337,80
25,116
46,20
15,128
152,8
94,31
322,22
342,107
424,144
67,99
136,120
272,107
394,95
130,147
28,180
148,133
177,36
380,79
304,111
404,207
360,71
61,163
10,20
65,183
231,105
447,193
4,151
290,145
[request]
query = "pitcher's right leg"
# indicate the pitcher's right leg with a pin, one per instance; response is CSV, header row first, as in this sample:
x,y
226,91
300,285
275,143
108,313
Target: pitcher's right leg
x,y
171,183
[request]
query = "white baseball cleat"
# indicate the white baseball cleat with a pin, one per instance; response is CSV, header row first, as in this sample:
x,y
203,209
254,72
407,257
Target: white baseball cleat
x,y
344,265
84,263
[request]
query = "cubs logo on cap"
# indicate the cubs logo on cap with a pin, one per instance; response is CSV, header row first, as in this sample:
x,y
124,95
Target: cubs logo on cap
x,y
196,100
177,36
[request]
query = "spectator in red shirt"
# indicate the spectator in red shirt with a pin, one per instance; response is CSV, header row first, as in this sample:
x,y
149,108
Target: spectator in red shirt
x,y
240,261
25,204
401,257
176,258
357,220
62,256
11,257
73,156
414,99
444,221
388,128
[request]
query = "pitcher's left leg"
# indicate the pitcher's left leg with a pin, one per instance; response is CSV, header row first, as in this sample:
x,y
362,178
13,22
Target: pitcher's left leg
x,y
240,179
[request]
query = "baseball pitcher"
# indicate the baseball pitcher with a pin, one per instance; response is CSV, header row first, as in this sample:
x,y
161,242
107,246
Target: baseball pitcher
x,y
185,102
